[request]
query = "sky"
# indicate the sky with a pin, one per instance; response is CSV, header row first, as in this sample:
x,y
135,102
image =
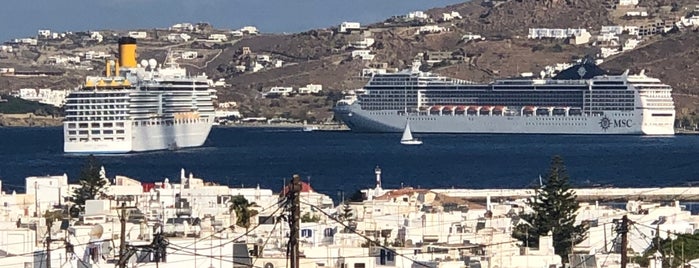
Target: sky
x,y
22,18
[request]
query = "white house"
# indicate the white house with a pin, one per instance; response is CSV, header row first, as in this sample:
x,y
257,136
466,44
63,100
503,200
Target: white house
x,y
218,37
44,33
278,91
367,72
252,30
346,27
26,41
637,14
627,2
691,21
427,29
538,33
606,51
138,35
581,38
97,36
470,37
178,37
364,54
615,29
451,16
362,44
311,89
180,27
47,191
417,15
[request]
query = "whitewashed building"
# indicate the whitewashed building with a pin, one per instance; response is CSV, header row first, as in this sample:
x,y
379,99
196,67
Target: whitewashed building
x,y
538,33
362,43
454,15
428,29
138,34
182,27
311,89
250,30
218,37
364,54
417,15
346,27
178,37
627,2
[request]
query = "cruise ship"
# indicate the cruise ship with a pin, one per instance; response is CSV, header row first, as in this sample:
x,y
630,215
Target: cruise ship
x,y
139,107
580,100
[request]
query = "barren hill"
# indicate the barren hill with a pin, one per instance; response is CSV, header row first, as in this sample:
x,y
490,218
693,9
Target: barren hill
x,y
322,56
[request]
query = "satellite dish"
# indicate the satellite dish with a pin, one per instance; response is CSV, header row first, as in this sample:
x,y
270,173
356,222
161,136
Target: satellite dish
x,y
144,63
111,63
152,63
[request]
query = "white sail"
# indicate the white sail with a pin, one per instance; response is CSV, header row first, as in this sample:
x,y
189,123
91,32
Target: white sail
x,y
407,138
407,135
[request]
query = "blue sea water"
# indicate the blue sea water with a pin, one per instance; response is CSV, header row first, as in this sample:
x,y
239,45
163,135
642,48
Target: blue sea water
x,y
336,162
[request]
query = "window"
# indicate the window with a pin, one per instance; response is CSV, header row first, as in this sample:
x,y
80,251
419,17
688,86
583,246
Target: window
x,y
359,265
307,233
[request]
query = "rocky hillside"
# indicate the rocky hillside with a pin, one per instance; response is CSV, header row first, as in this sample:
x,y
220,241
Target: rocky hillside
x,y
322,56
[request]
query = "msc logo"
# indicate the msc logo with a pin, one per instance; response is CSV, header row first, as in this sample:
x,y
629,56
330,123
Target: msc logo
x,y
605,123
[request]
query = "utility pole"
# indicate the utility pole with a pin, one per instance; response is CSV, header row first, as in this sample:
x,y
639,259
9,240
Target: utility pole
x,y
294,197
122,237
48,246
624,240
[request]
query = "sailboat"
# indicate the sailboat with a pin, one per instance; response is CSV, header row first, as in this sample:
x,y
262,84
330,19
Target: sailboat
x,y
407,138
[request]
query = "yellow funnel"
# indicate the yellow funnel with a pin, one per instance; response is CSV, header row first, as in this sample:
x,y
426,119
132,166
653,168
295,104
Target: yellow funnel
x,y
127,52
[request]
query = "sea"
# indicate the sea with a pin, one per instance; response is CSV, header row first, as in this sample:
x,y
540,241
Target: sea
x,y
340,163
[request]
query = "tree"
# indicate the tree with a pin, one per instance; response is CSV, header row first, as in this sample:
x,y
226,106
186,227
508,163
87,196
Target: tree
x,y
347,216
307,217
553,210
92,183
243,213
675,251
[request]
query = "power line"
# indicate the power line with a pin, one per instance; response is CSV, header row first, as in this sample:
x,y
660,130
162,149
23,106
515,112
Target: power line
x,y
371,241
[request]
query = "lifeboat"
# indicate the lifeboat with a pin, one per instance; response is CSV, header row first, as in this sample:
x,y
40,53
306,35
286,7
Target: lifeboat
x,y
543,111
435,110
472,110
460,110
498,110
528,110
448,109
560,110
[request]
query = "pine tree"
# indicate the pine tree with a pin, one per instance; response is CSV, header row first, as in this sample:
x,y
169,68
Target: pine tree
x,y
554,208
348,217
91,183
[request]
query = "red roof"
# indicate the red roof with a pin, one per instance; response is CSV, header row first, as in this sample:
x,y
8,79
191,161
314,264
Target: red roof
x,y
305,188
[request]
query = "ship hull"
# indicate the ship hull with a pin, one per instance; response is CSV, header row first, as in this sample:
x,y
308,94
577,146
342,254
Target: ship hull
x,y
146,138
627,122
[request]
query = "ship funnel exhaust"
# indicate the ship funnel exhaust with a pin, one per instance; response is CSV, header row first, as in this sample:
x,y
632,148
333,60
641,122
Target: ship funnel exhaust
x,y
127,52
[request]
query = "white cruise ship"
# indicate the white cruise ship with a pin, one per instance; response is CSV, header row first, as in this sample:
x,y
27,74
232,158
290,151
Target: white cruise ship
x,y
580,100
141,107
